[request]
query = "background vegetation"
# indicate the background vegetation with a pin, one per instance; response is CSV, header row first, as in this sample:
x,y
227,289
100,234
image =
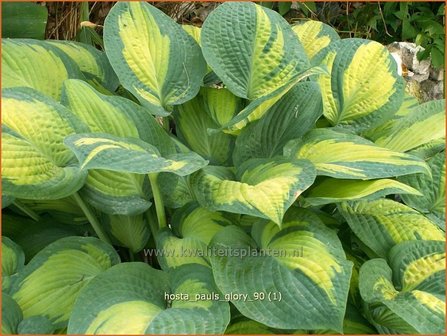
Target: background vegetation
x,y
419,22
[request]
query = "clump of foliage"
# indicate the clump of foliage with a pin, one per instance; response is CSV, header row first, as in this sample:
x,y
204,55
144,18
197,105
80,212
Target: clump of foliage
x,y
246,177
386,22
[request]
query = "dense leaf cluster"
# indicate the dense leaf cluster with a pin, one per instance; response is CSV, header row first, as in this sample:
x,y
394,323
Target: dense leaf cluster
x,y
244,177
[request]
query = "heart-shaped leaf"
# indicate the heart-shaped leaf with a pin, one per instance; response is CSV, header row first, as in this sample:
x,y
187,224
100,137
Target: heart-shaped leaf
x,y
263,188
115,192
254,52
290,118
364,88
407,295
383,223
134,298
152,55
300,268
35,163
193,228
50,283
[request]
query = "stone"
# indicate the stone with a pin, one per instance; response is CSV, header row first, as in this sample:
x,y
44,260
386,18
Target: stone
x,y
432,90
437,74
423,81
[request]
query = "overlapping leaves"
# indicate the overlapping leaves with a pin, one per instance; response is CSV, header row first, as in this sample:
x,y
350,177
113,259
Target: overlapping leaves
x,y
36,164
290,213
260,187
303,261
405,294
141,306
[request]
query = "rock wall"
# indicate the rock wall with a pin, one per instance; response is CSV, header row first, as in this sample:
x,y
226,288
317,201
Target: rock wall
x,y
423,80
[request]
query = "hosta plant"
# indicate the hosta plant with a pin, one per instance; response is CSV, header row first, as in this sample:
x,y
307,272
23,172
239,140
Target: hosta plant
x,y
247,176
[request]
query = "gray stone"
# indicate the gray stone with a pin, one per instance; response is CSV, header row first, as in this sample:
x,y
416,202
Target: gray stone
x,y
437,74
431,90
423,81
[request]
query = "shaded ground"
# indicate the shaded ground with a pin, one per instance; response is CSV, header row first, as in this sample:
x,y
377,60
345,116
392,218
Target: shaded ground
x,y
65,17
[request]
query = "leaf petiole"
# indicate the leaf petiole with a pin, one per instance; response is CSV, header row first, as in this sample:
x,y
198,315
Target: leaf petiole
x,y
30,212
92,219
158,200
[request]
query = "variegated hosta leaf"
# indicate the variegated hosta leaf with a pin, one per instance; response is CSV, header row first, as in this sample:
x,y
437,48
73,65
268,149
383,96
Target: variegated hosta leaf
x,y
349,156
315,36
431,202
178,251
263,188
152,55
337,190
255,53
28,63
13,322
430,149
130,155
129,231
193,229
258,108
35,162
34,236
408,104
196,32
115,192
50,283
175,190
407,294
92,62
419,265
36,325
142,306
221,104
115,115
193,221
13,260
364,88
11,315
383,223
303,262
424,123
290,118
193,31
192,123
